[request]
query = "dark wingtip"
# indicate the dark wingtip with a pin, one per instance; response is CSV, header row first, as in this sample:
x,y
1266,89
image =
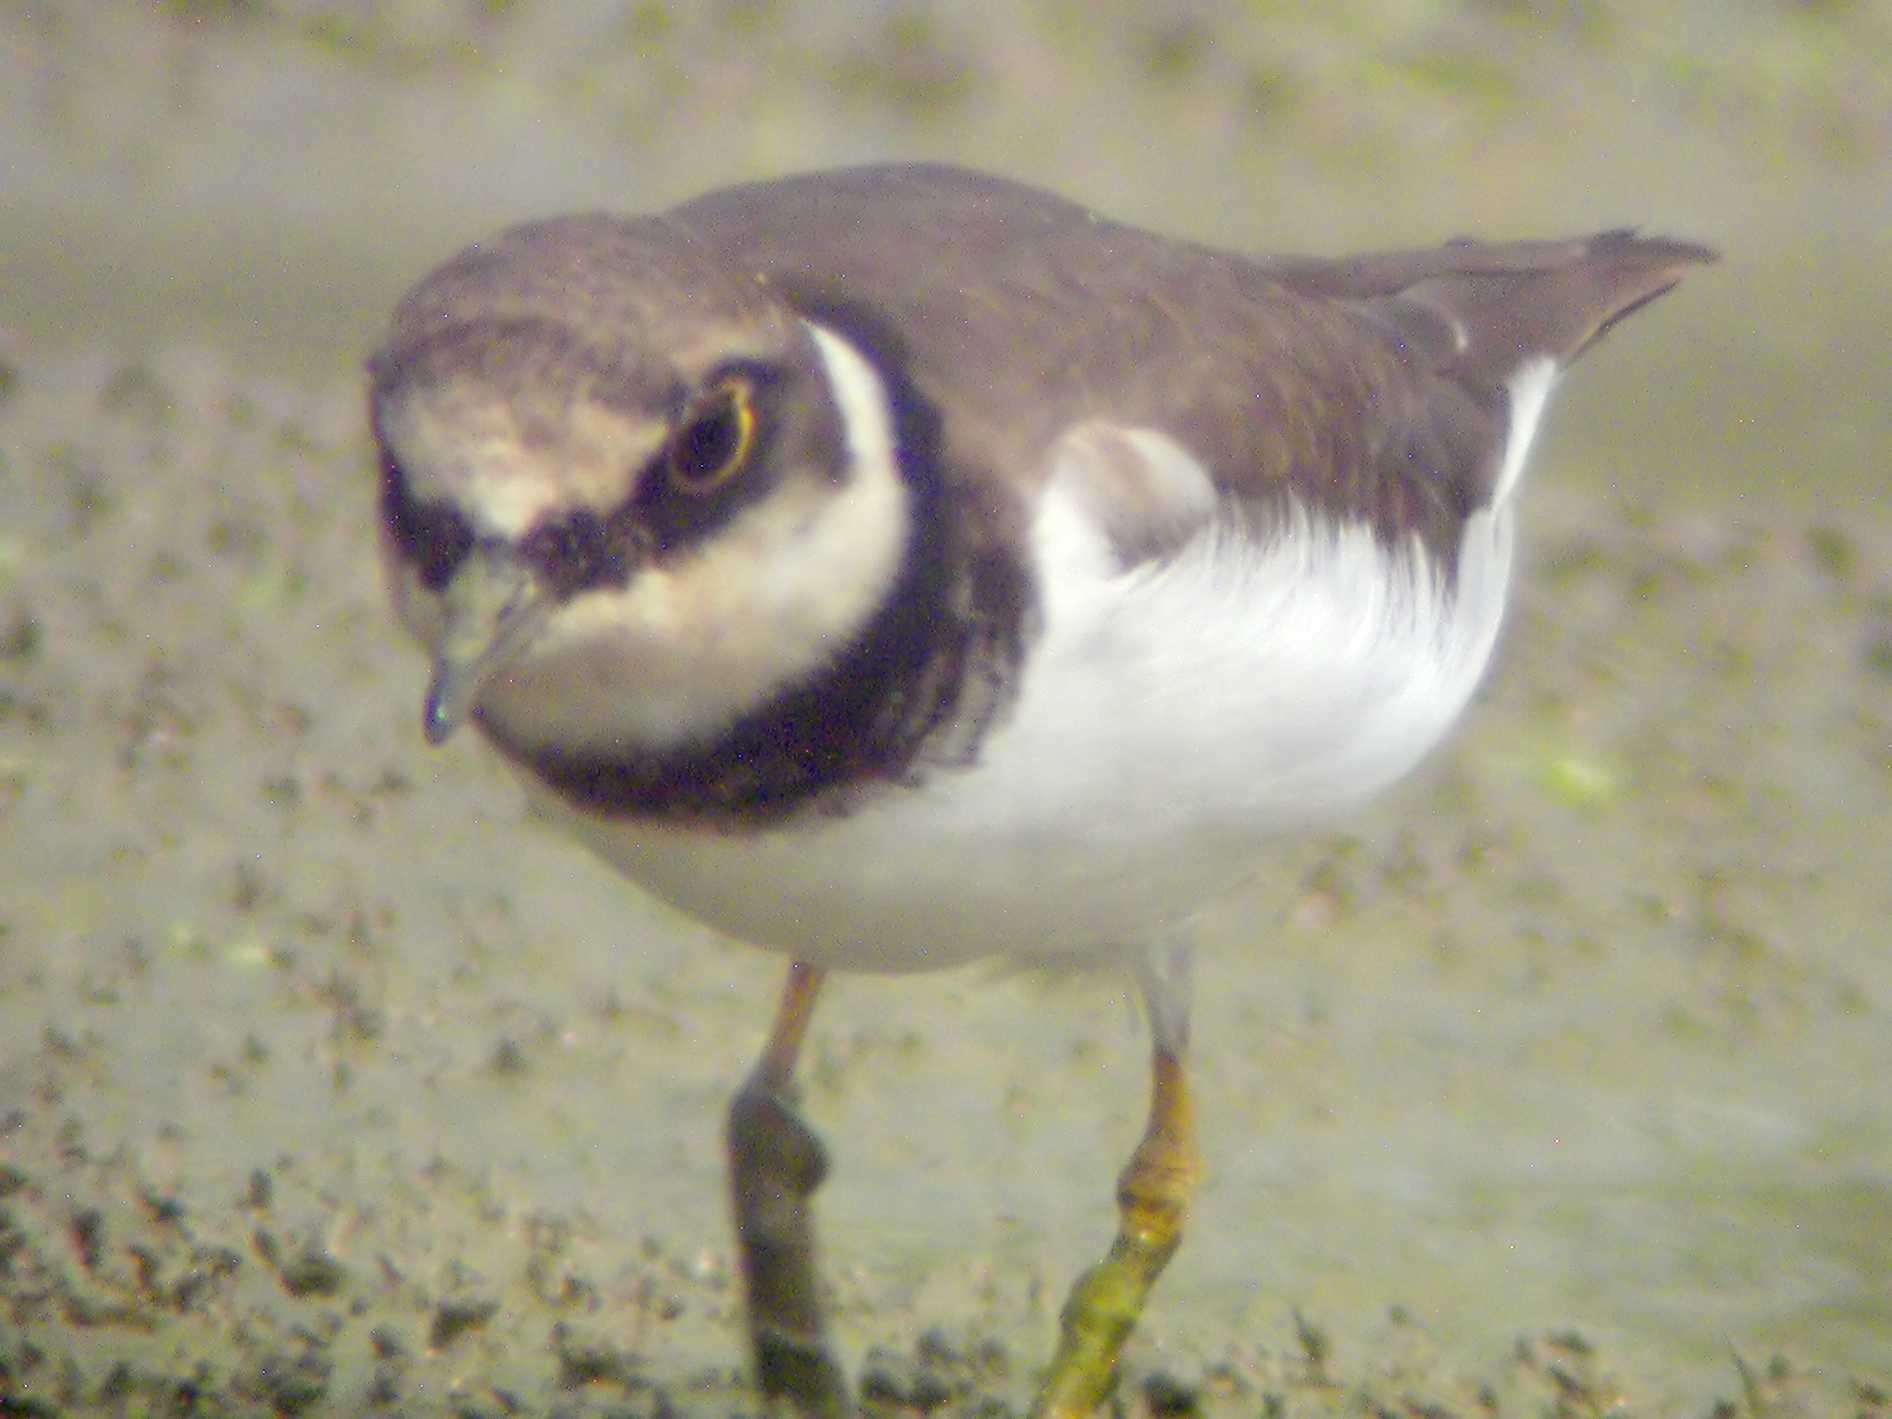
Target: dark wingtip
x,y
1646,267
1629,242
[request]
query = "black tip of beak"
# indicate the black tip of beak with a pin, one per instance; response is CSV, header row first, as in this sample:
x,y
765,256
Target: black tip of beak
x,y
449,699
436,723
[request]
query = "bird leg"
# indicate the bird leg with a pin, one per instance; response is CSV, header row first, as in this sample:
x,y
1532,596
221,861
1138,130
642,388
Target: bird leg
x,y
1153,1195
775,1164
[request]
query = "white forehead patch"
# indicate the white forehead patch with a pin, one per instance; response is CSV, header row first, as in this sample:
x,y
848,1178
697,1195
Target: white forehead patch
x,y
459,447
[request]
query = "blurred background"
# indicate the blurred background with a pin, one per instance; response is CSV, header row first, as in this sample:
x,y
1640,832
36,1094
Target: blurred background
x,y
276,173
1558,1085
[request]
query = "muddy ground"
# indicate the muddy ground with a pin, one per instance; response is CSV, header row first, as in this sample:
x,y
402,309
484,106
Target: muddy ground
x,y
329,1085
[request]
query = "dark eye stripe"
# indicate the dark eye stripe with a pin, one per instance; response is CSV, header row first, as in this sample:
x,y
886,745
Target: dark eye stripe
x,y
434,538
581,551
586,549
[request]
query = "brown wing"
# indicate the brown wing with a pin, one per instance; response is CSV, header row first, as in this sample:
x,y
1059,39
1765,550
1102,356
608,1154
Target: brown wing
x,y
1474,309
1371,388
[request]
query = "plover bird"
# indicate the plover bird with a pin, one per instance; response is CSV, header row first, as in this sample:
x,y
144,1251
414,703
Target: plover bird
x,y
898,566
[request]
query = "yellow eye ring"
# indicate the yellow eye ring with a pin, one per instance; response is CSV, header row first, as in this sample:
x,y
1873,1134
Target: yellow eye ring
x,y
714,440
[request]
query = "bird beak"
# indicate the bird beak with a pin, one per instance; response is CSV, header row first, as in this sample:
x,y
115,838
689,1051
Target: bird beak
x,y
491,611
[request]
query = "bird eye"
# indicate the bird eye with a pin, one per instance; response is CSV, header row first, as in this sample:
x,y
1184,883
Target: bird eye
x,y
714,440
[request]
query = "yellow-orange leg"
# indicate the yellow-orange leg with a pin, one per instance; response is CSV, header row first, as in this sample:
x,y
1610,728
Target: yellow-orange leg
x,y
775,1164
1152,1197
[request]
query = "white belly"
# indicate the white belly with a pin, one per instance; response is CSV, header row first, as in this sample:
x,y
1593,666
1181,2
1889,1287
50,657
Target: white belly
x,y
1171,720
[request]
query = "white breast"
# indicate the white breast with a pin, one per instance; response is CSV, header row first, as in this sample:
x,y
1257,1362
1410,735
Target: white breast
x,y
1170,722
1172,719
